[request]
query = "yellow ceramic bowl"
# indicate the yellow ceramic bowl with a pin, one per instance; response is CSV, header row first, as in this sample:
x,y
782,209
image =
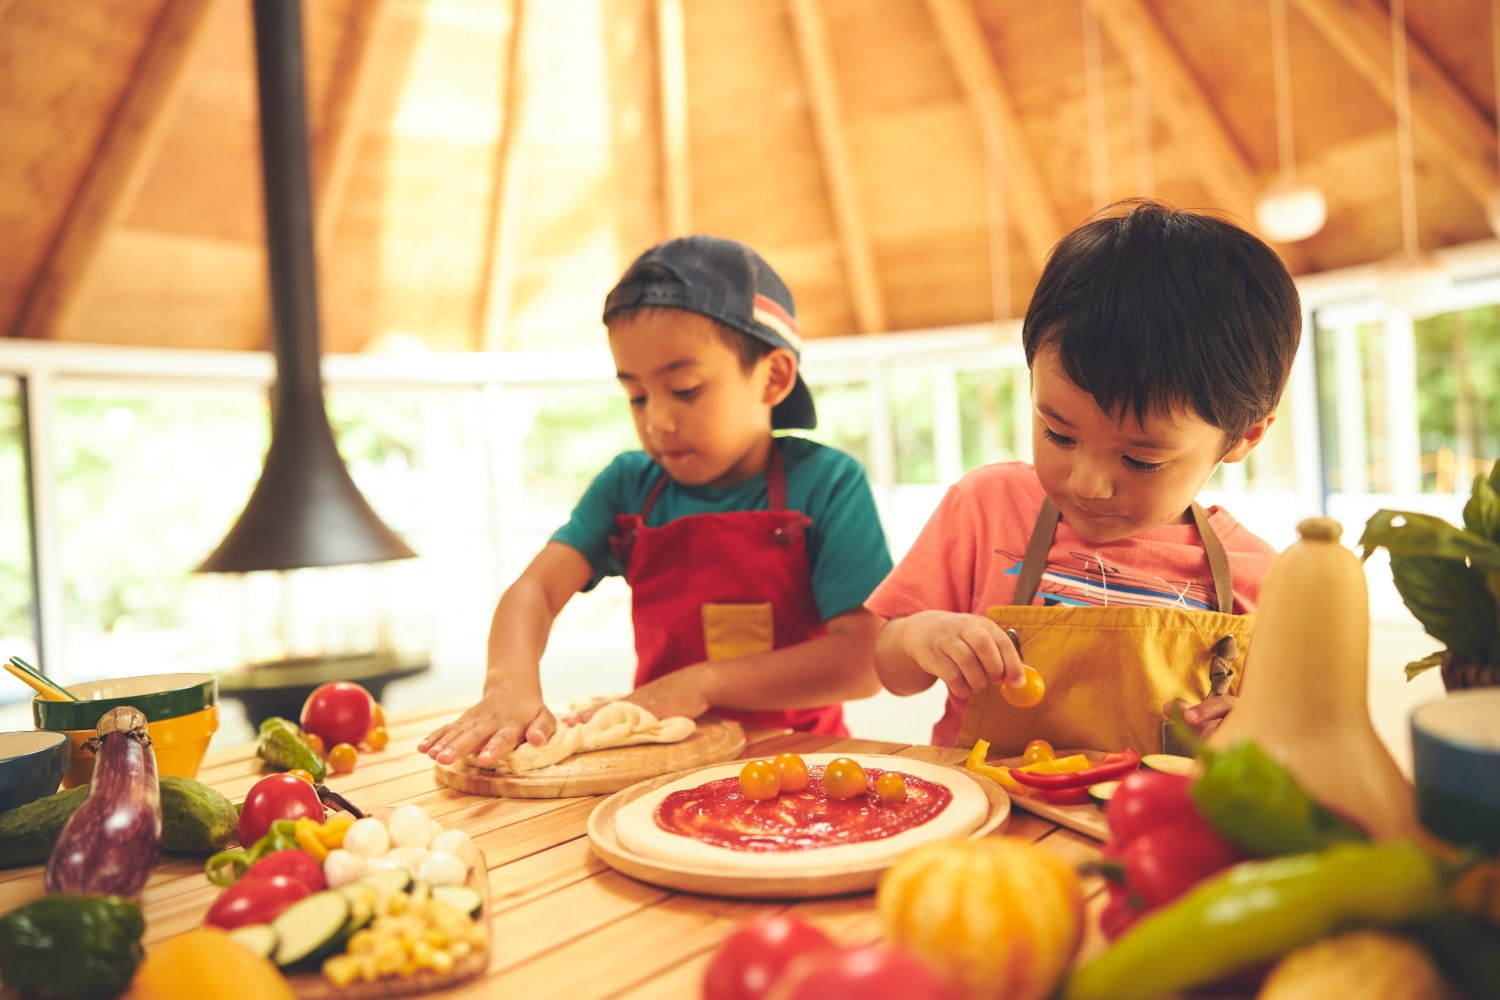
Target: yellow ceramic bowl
x,y
180,745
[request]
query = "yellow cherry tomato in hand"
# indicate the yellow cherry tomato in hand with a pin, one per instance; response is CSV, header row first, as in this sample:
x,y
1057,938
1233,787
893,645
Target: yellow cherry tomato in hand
x,y
793,771
759,781
1037,751
377,738
1028,692
890,787
305,775
342,757
315,741
844,778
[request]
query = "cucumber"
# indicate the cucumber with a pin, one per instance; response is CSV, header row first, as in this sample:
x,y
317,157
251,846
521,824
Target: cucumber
x,y
1171,763
1103,791
283,746
259,938
388,880
460,897
311,927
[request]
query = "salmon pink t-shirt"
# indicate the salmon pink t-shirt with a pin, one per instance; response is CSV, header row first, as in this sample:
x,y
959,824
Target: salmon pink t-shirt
x,y
969,556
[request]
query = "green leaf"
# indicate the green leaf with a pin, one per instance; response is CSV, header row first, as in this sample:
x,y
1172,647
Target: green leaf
x,y
1449,599
1482,512
1427,662
1406,533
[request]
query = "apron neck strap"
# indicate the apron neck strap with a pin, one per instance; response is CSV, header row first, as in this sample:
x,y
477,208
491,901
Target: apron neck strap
x,y
775,484
1035,560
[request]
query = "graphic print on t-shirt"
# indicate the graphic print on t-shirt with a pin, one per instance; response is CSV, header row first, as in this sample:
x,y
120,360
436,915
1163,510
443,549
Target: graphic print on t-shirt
x,y
1084,579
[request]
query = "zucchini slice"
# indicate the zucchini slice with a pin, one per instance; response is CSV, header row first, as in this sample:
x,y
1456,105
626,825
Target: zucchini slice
x,y
1103,791
1170,763
460,897
259,938
311,927
388,881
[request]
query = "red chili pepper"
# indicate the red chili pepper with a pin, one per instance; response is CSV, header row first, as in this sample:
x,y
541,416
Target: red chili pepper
x,y
1108,767
1063,796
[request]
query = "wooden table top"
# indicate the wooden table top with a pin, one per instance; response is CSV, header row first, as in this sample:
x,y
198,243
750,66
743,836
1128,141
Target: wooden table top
x,y
563,923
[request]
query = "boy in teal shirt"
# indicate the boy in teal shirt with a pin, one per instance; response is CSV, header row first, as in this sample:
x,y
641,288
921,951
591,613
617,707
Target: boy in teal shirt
x,y
749,555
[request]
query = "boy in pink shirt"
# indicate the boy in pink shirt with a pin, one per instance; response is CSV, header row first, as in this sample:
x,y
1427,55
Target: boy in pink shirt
x,y
1159,343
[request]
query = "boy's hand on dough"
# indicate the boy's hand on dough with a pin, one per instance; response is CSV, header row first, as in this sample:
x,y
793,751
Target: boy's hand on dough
x,y
966,652
493,727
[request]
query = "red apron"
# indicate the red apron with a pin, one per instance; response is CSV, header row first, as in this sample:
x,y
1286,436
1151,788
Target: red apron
x,y
716,586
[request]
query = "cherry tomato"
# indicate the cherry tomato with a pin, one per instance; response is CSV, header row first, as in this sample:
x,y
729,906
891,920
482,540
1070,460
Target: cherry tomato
x,y
890,787
377,738
302,773
793,771
1028,692
342,757
276,796
844,778
754,955
871,972
339,712
316,742
1037,751
254,901
759,780
293,863
377,715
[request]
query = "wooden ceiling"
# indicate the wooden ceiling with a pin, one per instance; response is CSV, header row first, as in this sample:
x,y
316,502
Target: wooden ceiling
x,y
485,168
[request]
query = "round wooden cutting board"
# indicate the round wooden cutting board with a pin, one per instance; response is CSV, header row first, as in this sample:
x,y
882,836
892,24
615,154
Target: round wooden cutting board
x,y
748,885
599,772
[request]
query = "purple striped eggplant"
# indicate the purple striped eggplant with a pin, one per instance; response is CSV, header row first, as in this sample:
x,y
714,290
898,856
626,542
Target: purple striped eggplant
x,y
110,845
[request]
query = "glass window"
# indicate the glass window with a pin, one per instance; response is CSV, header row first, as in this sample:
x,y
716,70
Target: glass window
x,y
16,597
987,407
844,414
1458,402
912,425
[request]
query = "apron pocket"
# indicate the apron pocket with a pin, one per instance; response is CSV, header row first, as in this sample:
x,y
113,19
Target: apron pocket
x,y
731,630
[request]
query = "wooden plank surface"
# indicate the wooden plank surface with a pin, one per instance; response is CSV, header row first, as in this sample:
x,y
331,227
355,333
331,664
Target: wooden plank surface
x,y
562,924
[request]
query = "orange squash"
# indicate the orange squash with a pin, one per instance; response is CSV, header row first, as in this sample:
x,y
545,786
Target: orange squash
x,y
206,964
998,918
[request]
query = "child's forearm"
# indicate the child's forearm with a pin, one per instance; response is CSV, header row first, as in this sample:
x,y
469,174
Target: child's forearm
x,y
897,671
830,668
523,619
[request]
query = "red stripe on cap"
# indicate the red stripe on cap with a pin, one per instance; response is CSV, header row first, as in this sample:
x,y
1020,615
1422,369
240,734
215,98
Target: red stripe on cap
x,y
771,306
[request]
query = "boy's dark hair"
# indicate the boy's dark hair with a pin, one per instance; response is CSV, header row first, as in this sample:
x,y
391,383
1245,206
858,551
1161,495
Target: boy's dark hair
x,y
748,349
1154,308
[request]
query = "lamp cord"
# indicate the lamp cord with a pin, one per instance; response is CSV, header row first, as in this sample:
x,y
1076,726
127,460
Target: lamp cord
x,y
1093,71
1145,154
1405,156
1282,80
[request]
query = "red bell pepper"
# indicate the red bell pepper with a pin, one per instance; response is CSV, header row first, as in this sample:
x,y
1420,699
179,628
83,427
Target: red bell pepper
x,y
1107,768
1159,847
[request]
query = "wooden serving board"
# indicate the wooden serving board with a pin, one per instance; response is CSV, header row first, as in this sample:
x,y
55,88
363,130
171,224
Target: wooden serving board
x,y
1087,819
599,772
834,882
311,985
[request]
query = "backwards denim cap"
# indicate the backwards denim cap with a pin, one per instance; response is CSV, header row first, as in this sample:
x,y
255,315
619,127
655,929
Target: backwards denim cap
x,y
729,283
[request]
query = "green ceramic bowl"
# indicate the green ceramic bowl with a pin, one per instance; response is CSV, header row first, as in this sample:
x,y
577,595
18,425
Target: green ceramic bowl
x,y
160,696
1455,745
31,765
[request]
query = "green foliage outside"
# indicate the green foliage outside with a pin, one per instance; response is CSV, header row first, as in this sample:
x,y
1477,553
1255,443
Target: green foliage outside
x,y
15,549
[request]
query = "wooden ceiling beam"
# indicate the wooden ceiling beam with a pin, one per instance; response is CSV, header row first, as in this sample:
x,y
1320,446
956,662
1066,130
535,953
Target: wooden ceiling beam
x,y
498,282
671,66
817,68
1440,111
1180,101
1011,167
116,170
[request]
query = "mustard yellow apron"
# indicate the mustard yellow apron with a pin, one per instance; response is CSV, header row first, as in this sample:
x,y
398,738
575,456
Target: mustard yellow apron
x,y
1109,670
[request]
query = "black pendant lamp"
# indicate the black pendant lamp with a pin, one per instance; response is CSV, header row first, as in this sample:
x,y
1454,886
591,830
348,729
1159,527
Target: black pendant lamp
x,y
306,510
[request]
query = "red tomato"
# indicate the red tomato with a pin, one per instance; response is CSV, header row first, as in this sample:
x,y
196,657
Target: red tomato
x,y
293,863
339,712
873,972
751,958
254,901
276,796
1149,800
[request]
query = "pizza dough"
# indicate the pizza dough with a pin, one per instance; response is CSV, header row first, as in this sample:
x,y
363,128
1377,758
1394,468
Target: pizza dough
x,y
617,724
636,827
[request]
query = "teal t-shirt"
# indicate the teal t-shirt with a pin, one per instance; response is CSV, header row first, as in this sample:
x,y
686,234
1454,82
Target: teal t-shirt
x,y
845,542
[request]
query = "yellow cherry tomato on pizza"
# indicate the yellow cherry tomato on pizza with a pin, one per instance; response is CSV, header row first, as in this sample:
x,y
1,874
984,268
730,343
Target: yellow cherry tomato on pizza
x,y
890,787
844,778
759,780
793,771
1037,751
1028,692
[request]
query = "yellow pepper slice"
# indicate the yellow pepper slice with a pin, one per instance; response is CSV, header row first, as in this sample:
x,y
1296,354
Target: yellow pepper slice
x,y
331,831
306,831
1061,765
976,763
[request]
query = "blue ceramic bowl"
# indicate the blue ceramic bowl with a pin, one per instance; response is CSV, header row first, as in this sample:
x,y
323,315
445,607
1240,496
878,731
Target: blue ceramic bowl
x,y
1455,746
31,765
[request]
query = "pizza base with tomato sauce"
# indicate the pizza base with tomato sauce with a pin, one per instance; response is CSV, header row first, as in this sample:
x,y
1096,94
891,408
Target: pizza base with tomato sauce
x,y
805,835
